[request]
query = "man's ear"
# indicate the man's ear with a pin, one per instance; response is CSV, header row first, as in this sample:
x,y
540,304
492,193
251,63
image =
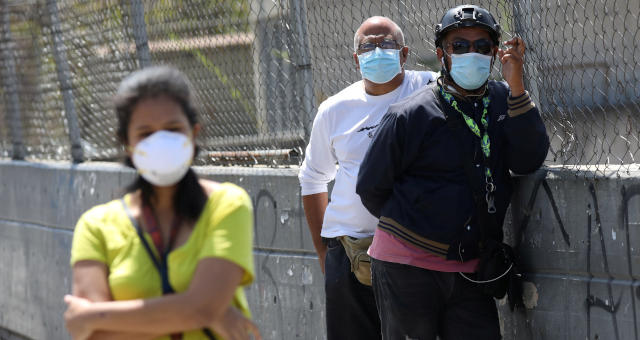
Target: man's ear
x,y
196,130
404,54
439,53
355,58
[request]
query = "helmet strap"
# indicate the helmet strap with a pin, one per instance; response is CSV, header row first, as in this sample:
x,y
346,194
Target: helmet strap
x,y
445,69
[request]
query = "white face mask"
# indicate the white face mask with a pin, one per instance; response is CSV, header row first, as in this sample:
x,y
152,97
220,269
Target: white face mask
x,y
163,158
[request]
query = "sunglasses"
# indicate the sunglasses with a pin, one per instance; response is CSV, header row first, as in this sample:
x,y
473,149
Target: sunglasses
x,y
385,45
461,46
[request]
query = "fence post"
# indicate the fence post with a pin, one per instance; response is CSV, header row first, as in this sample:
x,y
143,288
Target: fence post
x,y
62,68
140,33
522,25
10,82
304,74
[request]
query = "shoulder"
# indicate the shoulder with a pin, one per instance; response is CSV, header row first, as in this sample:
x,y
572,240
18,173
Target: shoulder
x,y
352,93
420,78
209,186
102,214
227,197
499,88
104,223
421,103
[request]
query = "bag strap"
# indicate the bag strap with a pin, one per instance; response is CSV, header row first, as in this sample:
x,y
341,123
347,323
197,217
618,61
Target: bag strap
x,y
161,267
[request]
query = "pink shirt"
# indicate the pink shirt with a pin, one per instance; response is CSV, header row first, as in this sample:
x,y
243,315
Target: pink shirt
x,y
386,247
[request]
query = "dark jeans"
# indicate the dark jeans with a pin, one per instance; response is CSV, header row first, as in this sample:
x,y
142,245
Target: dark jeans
x,y
351,306
416,303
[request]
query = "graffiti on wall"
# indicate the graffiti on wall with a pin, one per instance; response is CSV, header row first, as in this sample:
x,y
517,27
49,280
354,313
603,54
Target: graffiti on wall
x,y
610,303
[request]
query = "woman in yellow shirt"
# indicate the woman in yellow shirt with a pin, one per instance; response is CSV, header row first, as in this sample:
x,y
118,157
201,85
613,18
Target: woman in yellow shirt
x,y
169,259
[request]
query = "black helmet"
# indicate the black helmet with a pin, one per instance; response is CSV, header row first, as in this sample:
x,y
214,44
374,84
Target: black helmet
x,y
467,16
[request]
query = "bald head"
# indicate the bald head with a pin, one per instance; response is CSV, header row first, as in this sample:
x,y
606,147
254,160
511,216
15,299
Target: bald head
x,y
378,26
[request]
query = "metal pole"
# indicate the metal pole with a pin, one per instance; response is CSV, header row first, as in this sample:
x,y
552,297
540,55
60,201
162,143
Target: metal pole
x,y
258,17
62,67
303,64
10,82
522,23
140,33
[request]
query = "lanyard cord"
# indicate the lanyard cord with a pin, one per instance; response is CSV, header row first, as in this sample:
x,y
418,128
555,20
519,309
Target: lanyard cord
x,y
161,264
151,224
485,142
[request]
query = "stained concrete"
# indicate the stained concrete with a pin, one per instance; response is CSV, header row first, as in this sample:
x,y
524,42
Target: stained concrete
x,y
578,239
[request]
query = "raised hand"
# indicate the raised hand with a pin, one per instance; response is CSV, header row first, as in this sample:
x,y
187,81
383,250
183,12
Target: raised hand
x,y
512,60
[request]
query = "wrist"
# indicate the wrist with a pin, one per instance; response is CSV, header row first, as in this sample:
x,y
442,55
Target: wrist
x,y
100,315
320,248
517,89
517,92
517,105
90,317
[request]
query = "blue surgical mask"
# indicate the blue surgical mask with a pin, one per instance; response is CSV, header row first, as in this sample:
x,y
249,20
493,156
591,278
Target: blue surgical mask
x,y
470,70
380,65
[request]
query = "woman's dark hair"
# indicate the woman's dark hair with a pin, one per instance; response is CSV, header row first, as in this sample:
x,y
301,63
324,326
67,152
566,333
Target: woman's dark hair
x,y
152,82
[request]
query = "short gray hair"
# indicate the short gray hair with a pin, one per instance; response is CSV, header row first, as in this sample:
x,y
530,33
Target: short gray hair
x,y
397,34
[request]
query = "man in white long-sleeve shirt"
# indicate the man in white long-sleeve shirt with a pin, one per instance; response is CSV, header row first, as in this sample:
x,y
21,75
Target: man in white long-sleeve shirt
x,y
342,130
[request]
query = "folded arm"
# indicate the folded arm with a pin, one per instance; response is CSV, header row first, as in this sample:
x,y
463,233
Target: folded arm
x,y
90,282
204,302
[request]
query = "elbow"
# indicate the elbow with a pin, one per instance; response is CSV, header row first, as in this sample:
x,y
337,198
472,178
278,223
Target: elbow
x,y
372,207
532,162
370,199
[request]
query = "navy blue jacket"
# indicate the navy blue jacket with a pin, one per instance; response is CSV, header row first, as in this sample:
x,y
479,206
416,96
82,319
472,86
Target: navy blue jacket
x,y
413,176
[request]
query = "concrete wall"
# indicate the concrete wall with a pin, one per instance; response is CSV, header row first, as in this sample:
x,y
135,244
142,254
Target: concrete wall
x,y
40,204
579,241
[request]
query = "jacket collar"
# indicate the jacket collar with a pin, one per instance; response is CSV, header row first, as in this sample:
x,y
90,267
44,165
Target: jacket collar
x,y
447,84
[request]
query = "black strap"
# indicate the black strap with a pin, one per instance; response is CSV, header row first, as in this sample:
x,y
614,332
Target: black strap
x,y
160,266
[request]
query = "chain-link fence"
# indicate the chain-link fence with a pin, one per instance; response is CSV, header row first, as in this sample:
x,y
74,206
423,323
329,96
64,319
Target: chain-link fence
x,y
261,68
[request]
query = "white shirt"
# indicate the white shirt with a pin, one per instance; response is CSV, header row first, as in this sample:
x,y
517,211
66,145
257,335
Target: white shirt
x,y
342,131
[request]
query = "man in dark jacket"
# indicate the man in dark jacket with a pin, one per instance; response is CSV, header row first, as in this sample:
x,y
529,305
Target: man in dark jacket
x,y
437,175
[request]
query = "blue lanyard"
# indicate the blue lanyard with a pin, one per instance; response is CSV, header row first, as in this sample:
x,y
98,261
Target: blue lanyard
x,y
161,266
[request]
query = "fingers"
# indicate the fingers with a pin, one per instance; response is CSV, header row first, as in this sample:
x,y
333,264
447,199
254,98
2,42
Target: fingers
x,y
248,331
253,330
239,327
517,46
514,52
510,57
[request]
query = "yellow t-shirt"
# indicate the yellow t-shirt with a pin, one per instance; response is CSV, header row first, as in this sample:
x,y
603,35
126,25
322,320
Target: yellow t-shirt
x,y
224,230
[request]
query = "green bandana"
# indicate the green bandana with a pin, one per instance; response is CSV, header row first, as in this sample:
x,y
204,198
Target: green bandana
x,y
485,143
